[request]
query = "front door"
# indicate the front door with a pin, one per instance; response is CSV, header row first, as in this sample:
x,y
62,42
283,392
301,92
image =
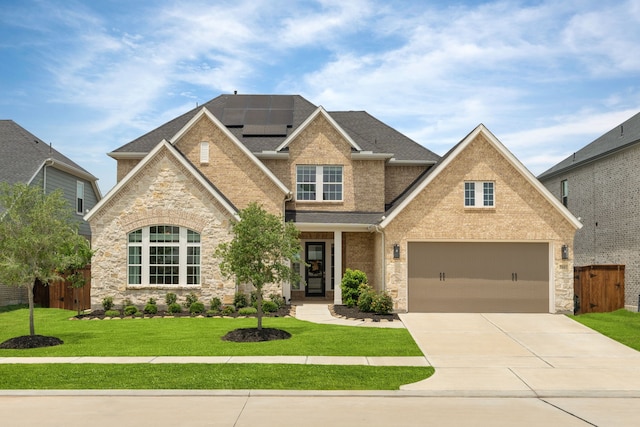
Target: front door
x,y
315,269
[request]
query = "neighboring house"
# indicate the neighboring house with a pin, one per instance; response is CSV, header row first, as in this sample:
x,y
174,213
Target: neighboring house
x,y
600,184
472,231
28,159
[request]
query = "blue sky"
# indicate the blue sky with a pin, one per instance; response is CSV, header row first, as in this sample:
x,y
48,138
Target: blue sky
x,y
546,77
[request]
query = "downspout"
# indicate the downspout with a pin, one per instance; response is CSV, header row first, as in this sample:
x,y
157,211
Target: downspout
x,y
287,198
47,162
376,228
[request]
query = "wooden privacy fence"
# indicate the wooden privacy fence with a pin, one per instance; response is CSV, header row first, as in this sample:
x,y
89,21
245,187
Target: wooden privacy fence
x,y
62,295
598,288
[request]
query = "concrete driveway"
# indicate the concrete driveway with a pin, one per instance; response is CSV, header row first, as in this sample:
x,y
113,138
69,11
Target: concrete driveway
x,y
521,355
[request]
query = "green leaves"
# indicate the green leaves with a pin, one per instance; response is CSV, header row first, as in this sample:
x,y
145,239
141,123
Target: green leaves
x,y
262,248
38,237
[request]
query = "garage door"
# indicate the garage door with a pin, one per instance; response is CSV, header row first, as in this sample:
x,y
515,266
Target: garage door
x,y
455,277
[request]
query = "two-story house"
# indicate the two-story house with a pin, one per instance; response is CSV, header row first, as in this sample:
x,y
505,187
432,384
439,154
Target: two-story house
x,y
28,159
472,231
600,184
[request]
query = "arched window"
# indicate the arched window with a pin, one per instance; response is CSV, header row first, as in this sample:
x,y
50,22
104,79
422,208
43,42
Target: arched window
x,y
163,255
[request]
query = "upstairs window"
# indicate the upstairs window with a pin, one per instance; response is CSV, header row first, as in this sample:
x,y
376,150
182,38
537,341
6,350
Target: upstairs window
x,y
163,255
80,197
479,194
319,183
564,192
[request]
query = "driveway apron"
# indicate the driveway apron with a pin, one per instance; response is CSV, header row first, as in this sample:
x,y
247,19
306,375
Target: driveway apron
x,y
541,355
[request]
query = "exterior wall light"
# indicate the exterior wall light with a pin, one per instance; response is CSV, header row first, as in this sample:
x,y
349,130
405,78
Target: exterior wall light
x,y
565,252
396,251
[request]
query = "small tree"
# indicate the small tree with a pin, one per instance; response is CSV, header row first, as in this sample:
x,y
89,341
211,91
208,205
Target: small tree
x,y
36,233
261,251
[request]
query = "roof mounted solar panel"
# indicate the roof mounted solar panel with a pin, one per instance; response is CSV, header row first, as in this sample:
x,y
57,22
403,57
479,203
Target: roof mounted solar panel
x,y
256,117
233,117
282,102
281,117
264,130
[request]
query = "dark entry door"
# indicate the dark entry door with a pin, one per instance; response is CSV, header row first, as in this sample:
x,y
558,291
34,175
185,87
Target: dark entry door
x,y
315,269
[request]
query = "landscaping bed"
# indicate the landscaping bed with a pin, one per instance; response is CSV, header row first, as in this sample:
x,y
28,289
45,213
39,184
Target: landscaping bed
x,y
355,313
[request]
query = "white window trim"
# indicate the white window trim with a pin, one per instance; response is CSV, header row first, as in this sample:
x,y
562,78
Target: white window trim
x,y
319,183
182,260
479,195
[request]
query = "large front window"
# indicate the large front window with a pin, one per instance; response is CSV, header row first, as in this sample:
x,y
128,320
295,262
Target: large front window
x,y
319,183
164,255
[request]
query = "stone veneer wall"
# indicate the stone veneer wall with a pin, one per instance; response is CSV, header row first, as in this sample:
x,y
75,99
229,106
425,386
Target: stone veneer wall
x,y
162,193
438,214
605,195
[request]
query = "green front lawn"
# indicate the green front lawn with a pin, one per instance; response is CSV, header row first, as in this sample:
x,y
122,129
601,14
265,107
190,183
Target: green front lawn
x,y
208,377
197,337
202,337
620,325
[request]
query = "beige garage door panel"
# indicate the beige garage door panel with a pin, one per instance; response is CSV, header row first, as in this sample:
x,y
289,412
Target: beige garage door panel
x,y
478,277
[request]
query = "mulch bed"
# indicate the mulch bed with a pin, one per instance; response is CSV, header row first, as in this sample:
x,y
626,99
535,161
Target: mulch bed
x,y
99,314
30,341
355,313
256,335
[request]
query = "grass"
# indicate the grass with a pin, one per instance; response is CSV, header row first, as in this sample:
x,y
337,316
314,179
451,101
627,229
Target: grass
x,y
201,337
620,325
200,376
197,337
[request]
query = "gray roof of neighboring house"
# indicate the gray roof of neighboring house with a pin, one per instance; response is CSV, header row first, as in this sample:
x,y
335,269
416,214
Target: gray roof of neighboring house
x,y
618,138
22,154
263,122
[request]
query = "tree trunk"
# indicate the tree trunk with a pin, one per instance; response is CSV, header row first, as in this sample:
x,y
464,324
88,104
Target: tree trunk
x,y
259,308
32,330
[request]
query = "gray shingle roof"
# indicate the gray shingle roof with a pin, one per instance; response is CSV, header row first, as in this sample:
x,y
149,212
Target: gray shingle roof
x,y
368,132
322,217
618,138
22,153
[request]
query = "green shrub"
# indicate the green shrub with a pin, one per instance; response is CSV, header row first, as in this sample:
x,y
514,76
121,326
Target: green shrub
x,y
216,304
247,311
350,282
112,313
269,306
278,299
190,298
138,314
196,308
382,303
366,297
211,313
174,308
240,300
228,310
130,310
170,298
150,308
107,303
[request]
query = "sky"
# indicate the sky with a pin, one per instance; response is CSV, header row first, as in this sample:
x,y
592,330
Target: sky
x,y
546,77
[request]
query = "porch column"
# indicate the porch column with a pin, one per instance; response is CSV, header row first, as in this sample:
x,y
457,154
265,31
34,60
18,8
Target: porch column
x,y
337,273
